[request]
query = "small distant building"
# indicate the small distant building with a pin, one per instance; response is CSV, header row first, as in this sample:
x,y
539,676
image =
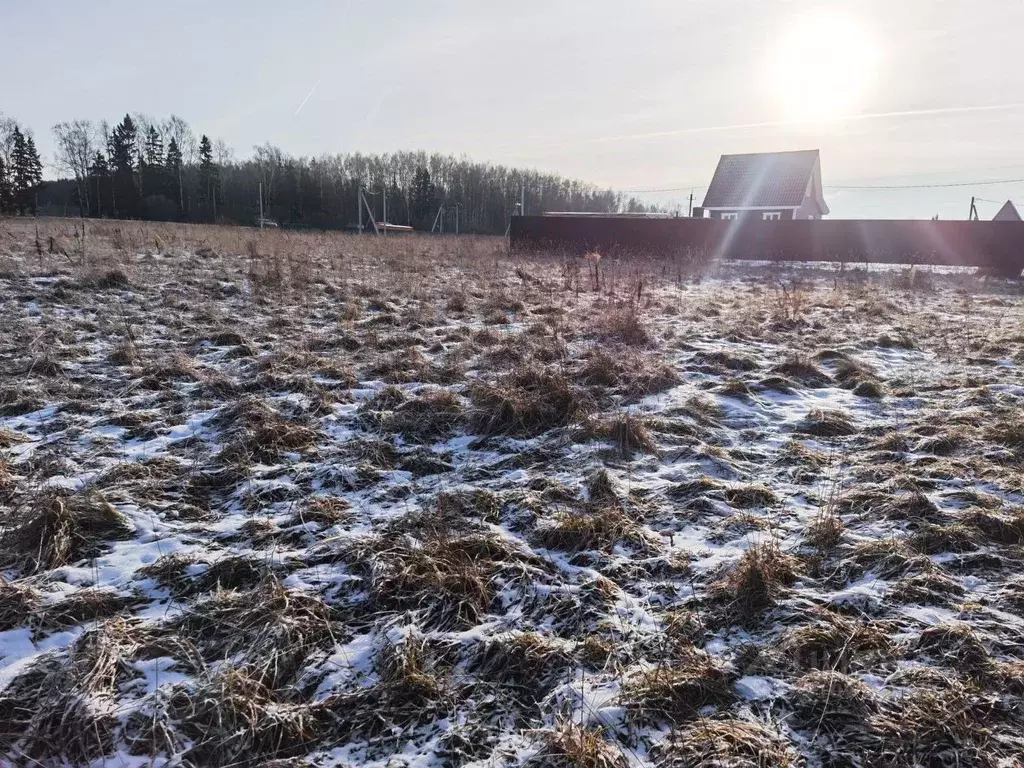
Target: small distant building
x,y
1008,212
768,186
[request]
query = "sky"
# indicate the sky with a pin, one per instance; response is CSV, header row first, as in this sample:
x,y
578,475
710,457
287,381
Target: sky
x,y
644,95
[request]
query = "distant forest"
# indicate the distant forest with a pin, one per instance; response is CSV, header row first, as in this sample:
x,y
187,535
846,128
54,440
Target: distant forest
x,y
142,168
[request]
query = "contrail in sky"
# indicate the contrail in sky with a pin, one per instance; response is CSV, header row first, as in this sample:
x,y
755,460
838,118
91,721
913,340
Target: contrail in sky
x,y
308,96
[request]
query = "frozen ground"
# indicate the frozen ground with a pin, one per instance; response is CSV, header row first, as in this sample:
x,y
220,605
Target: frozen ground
x,y
273,499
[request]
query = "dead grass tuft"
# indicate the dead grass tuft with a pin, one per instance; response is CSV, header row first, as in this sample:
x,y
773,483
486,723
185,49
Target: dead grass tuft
x,y
727,743
750,496
833,641
65,708
272,629
570,746
584,530
958,647
450,581
258,433
832,702
87,604
677,694
804,371
54,529
1001,529
526,403
234,718
757,581
426,418
634,375
825,531
821,423
623,323
529,664
628,432
18,603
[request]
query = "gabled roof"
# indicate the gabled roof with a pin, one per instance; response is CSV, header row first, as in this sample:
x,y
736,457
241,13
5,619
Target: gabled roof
x,y
769,179
1008,212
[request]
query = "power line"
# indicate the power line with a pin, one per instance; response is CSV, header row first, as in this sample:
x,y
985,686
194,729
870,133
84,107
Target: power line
x,y
877,187
694,188
986,183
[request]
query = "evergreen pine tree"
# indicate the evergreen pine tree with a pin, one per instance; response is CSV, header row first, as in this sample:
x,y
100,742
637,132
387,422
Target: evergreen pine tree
x,y
34,171
152,165
122,157
5,188
154,148
208,180
422,195
172,172
99,185
21,172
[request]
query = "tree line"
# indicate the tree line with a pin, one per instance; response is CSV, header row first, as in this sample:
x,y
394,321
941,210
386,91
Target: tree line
x,y
141,168
21,169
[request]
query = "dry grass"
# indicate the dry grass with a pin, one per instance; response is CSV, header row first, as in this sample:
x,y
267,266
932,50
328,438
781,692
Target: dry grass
x,y
628,432
450,581
434,415
273,629
677,694
232,718
258,433
833,642
757,581
360,566
580,530
727,743
570,746
65,707
821,423
51,529
528,664
526,403
18,602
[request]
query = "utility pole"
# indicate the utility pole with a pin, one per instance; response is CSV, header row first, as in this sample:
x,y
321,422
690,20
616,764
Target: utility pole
x,y
261,205
384,197
689,212
522,199
359,206
973,215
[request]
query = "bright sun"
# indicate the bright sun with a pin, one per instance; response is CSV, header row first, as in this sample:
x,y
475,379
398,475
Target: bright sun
x,y
823,68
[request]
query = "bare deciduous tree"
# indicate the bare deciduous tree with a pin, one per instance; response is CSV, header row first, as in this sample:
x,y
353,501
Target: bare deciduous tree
x,y
75,144
176,128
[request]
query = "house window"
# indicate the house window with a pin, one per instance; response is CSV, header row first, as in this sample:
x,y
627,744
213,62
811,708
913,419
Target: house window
x,y
771,216
730,216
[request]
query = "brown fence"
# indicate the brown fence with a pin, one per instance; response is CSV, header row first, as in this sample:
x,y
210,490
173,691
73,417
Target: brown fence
x,y
994,245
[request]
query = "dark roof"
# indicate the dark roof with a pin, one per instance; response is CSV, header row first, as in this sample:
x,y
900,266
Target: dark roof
x,y
1008,212
773,178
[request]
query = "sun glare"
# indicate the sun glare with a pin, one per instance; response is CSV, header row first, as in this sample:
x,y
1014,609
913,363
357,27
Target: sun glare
x,y
823,68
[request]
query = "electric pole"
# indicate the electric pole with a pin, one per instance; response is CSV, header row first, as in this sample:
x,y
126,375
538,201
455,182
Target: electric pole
x,y
261,205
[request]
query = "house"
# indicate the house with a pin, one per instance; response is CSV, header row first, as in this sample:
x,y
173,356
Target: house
x,y
1008,212
769,186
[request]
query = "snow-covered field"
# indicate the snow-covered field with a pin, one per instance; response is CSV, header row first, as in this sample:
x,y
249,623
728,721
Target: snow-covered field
x,y
279,499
